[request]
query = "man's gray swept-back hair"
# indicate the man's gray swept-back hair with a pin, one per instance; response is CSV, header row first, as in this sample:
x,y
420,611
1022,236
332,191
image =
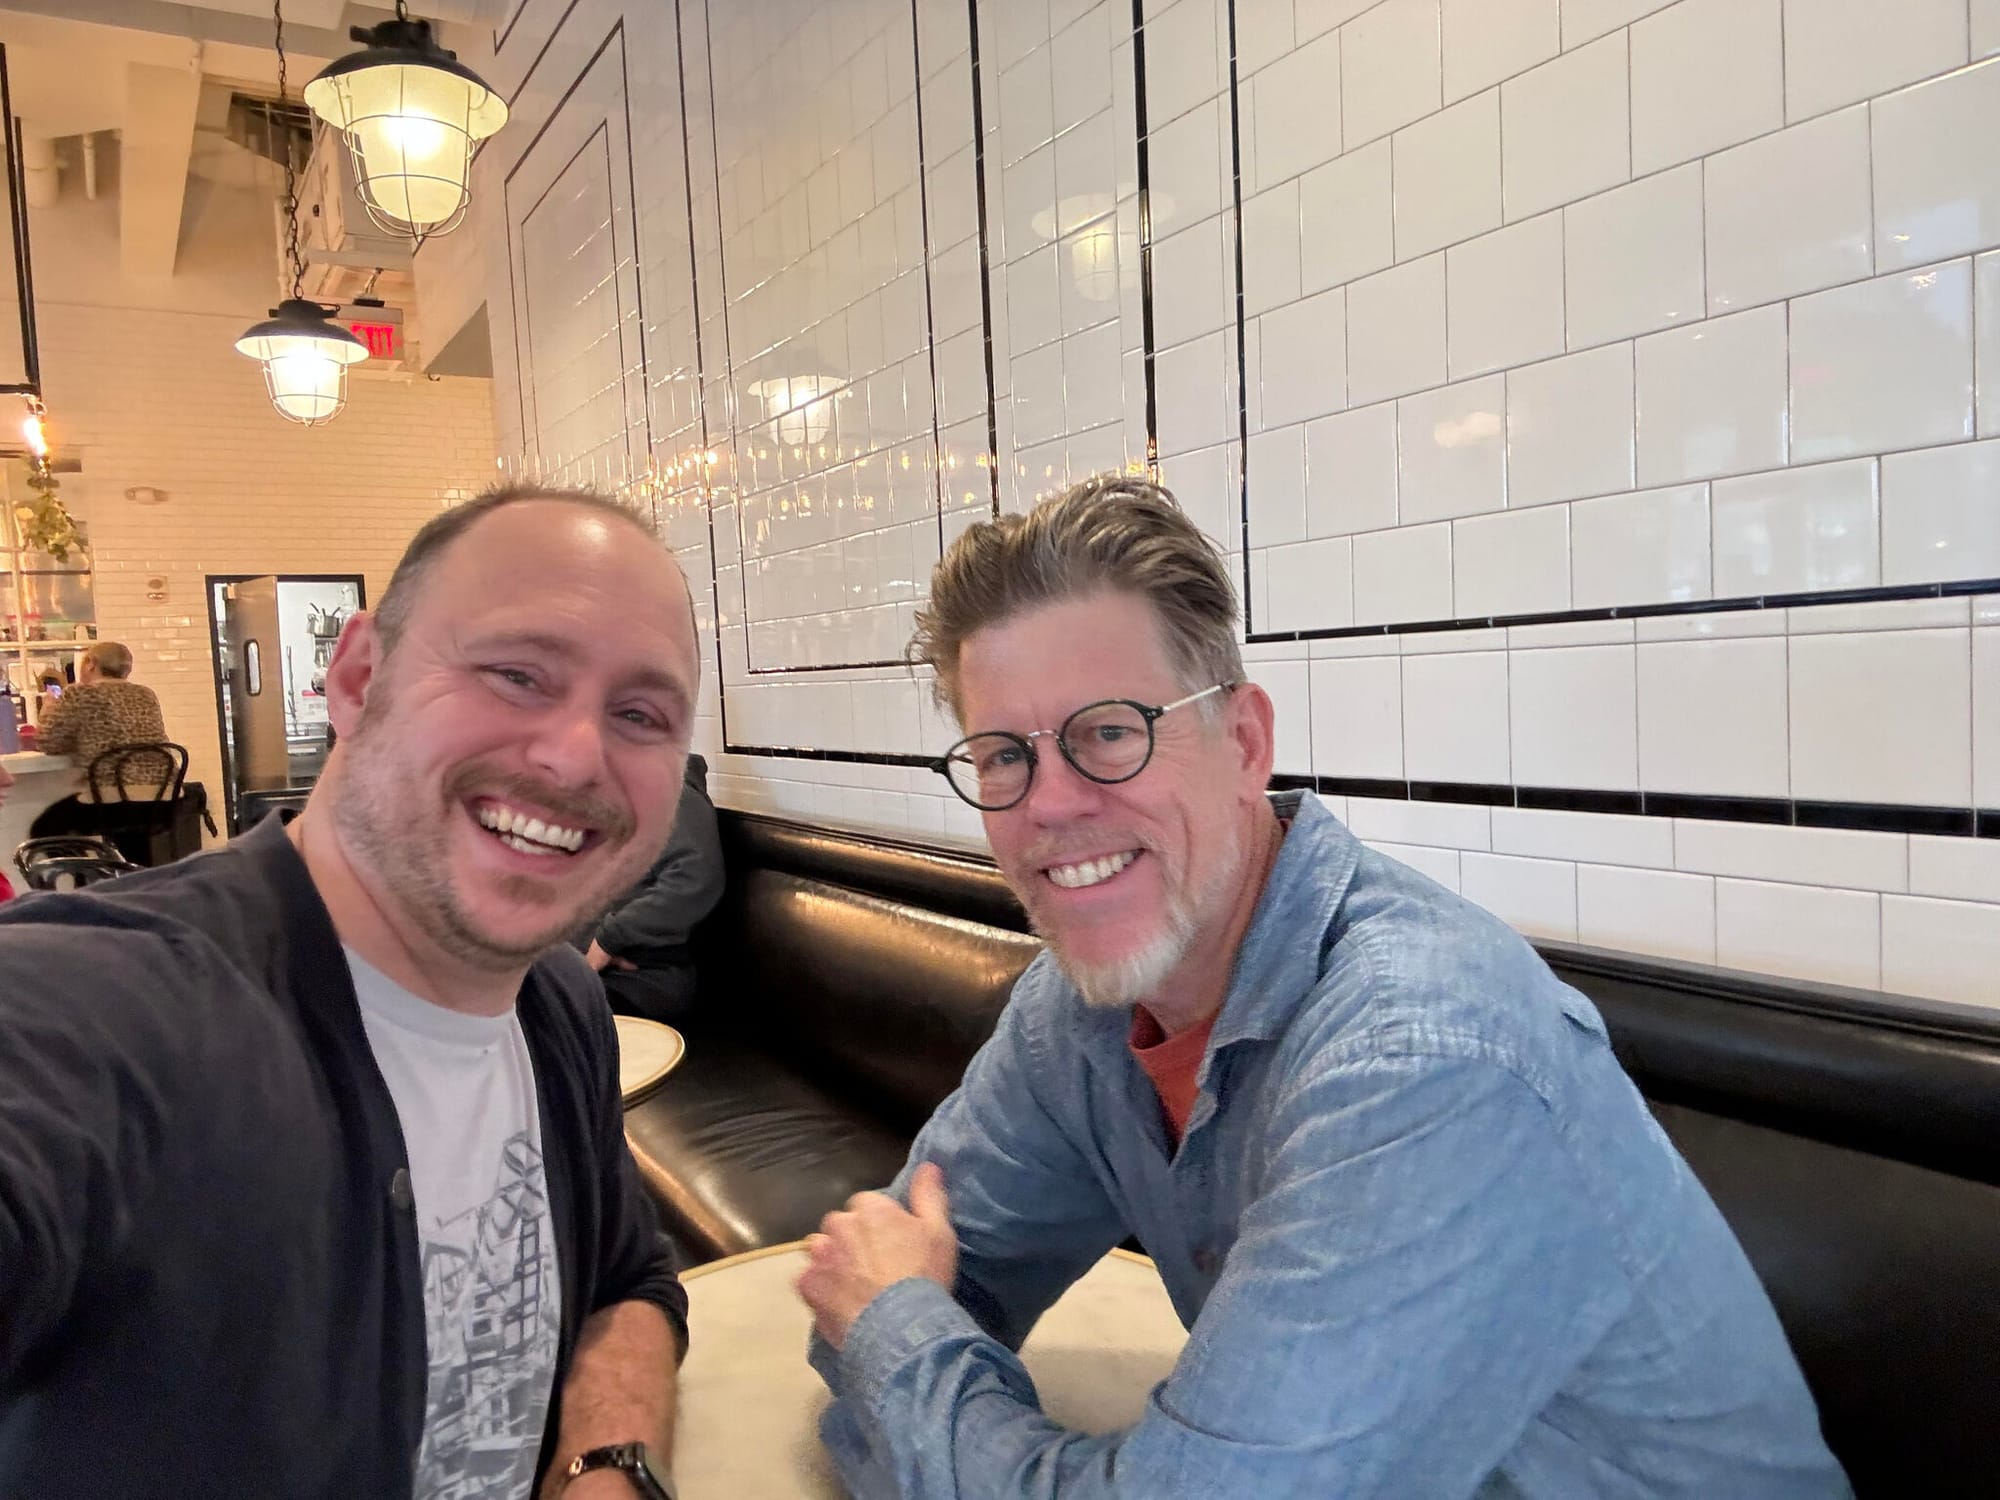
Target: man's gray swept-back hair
x,y
1111,533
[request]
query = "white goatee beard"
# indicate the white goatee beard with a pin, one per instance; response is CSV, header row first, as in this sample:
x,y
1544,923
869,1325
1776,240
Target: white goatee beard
x,y
1128,980
1138,976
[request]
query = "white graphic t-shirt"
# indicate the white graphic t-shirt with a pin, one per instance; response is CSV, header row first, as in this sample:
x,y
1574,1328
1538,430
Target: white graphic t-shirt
x,y
464,1088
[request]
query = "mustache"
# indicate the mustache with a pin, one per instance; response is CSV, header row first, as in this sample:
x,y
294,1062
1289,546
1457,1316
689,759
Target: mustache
x,y
574,808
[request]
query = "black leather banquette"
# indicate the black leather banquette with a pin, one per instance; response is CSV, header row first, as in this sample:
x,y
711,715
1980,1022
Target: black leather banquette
x,y
1853,1141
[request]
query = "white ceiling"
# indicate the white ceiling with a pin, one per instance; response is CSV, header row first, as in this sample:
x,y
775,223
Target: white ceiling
x,y
139,67
67,57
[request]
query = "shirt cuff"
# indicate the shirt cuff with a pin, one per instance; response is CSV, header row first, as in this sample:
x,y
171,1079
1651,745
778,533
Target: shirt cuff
x,y
895,1328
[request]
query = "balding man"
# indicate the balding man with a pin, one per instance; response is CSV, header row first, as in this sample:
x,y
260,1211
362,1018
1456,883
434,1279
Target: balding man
x,y
312,1177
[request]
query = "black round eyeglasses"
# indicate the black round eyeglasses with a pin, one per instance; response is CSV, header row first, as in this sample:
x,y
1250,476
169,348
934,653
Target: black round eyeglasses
x,y
1107,742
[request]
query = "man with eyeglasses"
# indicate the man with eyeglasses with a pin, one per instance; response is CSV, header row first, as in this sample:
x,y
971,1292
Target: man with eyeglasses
x,y
1428,1242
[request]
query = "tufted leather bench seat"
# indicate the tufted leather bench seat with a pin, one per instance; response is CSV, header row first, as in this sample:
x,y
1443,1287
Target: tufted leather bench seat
x,y
1853,1141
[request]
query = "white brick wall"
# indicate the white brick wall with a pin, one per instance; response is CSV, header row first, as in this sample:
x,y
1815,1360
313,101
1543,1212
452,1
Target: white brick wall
x,y
161,398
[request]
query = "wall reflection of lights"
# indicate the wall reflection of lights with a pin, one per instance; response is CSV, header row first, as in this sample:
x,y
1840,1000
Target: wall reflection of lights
x,y
1087,229
800,408
1473,427
1092,256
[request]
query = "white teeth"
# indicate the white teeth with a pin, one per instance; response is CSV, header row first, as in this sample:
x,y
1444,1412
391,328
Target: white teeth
x,y
529,834
1090,871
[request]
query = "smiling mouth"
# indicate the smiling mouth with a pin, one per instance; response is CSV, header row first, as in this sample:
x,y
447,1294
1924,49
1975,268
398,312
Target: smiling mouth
x,y
1089,872
528,834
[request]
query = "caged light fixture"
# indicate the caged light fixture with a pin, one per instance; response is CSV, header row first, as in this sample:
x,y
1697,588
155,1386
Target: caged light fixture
x,y
413,116
305,354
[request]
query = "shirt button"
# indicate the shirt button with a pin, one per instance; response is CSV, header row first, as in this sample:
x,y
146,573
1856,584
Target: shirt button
x,y
1207,1261
399,1190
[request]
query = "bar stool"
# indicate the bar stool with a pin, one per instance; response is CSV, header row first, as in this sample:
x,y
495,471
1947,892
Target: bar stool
x,y
66,862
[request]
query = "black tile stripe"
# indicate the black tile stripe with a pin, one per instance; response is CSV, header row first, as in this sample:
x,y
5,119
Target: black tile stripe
x,y
1962,822
24,259
930,290
1876,817
837,666
728,354
500,36
1958,588
985,265
1470,792
1719,809
638,259
1580,799
700,365
844,757
556,109
1145,167
1242,317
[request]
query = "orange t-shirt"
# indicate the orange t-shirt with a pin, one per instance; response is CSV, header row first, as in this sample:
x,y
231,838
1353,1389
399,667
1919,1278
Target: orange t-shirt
x,y
1171,1062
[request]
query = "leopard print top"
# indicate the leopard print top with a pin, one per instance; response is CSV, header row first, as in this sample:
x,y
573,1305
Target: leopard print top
x,y
93,717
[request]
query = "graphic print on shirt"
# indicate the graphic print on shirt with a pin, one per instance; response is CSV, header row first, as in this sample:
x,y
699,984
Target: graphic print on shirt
x,y
493,1314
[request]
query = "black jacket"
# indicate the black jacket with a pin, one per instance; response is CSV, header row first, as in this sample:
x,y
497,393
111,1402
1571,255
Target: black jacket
x,y
651,924
209,1284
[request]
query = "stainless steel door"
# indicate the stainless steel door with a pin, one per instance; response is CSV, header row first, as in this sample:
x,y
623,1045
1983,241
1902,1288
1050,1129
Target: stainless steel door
x,y
256,684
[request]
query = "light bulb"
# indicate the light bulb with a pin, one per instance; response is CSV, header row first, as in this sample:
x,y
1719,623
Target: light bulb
x,y
414,166
307,387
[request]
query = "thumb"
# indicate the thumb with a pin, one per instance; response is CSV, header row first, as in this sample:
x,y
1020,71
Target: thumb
x,y
928,1199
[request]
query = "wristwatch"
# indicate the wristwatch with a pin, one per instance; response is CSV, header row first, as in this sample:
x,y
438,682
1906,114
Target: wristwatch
x,y
629,1459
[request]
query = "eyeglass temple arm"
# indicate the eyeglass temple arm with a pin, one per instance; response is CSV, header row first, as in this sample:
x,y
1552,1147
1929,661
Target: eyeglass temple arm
x,y
1220,687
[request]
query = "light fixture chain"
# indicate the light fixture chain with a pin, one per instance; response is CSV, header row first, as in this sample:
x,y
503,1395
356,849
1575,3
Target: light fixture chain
x,y
291,175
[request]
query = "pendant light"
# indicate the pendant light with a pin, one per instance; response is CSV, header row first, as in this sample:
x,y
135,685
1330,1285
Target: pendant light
x,y
413,115
305,354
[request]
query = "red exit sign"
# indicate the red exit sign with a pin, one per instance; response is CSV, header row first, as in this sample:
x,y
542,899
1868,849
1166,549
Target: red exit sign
x,y
384,340
379,327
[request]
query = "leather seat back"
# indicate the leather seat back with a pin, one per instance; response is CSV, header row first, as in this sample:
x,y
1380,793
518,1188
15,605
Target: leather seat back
x,y
1849,1140
866,991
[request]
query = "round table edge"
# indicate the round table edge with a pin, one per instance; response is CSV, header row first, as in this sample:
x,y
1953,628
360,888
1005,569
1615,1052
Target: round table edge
x,y
645,1090
744,1257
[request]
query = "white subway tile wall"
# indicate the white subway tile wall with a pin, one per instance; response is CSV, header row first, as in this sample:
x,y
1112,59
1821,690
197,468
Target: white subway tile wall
x,y
1486,41
1506,297
1985,28
1789,212
1547,306
1570,429
1632,258
1706,75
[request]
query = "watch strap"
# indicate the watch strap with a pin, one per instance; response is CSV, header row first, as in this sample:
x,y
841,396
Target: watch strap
x,y
631,1460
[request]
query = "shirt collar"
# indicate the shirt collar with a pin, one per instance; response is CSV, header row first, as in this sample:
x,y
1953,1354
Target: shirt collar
x,y
1278,962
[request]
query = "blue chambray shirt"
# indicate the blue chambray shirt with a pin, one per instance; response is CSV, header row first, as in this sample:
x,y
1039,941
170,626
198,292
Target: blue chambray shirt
x,y
1427,1239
